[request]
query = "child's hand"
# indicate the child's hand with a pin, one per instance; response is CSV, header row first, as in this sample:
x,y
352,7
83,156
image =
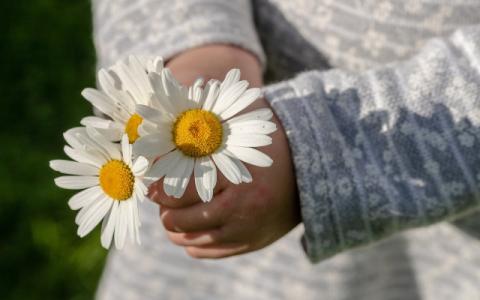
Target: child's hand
x,y
240,218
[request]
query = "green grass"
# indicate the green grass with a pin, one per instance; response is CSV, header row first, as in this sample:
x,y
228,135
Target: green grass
x,y
46,58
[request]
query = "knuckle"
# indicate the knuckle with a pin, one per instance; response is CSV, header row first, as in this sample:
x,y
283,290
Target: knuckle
x,y
169,226
168,201
218,235
262,197
175,238
225,201
168,221
193,252
172,202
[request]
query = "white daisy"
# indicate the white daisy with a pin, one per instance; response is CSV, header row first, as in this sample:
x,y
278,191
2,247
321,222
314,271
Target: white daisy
x,y
112,184
194,131
122,87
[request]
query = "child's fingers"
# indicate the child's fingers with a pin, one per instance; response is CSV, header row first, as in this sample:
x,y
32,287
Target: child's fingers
x,y
157,194
217,251
201,238
200,216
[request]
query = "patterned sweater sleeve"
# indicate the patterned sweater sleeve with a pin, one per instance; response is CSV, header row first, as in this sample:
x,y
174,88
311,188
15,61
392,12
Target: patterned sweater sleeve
x,y
388,149
166,28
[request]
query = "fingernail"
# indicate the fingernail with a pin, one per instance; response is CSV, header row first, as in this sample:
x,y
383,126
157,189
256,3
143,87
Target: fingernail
x,y
203,239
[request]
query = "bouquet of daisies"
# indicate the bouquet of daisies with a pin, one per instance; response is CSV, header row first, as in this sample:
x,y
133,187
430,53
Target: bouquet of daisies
x,y
154,127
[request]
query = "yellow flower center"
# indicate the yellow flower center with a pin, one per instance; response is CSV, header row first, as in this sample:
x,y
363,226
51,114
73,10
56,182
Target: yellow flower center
x,y
131,129
117,180
197,132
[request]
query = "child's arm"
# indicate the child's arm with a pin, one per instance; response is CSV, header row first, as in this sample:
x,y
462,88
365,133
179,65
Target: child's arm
x,y
375,153
243,217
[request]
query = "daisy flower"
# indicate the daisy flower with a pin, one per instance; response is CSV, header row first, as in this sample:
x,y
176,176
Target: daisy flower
x,y
112,184
122,87
194,132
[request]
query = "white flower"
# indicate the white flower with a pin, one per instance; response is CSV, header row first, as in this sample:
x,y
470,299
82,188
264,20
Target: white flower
x,y
112,184
122,87
194,132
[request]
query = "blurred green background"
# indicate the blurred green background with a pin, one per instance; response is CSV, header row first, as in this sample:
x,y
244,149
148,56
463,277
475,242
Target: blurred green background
x,y
46,58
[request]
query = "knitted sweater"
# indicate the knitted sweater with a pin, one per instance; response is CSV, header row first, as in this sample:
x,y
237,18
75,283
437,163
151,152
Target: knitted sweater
x,y
380,101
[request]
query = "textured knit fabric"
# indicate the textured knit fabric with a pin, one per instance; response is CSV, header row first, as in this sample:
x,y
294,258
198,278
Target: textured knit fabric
x,y
385,136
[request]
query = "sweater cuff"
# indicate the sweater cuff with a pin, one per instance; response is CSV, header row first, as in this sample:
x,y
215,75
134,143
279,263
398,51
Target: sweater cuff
x,y
167,28
290,102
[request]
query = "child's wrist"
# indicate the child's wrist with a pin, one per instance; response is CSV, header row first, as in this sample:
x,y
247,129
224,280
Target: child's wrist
x,y
214,61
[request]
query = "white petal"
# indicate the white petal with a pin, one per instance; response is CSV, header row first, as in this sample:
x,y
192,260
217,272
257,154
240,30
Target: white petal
x,y
170,84
141,77
205,174
145,61
130,220
126,150
196,92
134,79
229,96
121,99
109,147
230,78
176,181
187,102
73,168
100,100
121,226
250,127
72,137
248,140
94,216
151,114
76,182
153,145
176,92
111,130
79,139
212,95
128,81
227,167
145,128
190,92
241,103
108,226
160,94
96,122
264,114
140,166
84,157
251,156
85,197
245,174
155,65
86,210
164,164
140,185
204,92
113,134
89,209
136,220
140,190
82,213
